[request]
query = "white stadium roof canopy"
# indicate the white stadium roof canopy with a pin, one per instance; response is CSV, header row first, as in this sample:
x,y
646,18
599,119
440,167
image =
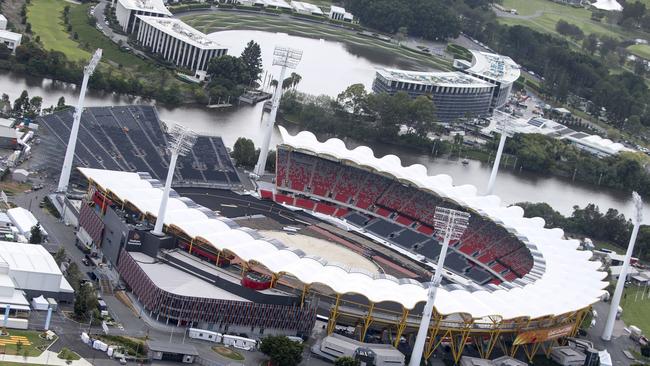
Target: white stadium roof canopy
x,y
570,281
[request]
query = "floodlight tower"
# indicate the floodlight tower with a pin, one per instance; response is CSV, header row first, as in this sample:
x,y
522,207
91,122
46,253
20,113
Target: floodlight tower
x,y
503,125
450,225
287,58
620,283
64,179
180,143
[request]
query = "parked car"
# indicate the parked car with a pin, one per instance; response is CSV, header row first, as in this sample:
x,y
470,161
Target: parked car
x,y
92,275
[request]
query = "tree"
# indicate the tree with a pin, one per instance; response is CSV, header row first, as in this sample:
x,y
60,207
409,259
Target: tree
x,y
421,115
60,104
346,361
228,68
251,57
22,103
60,256
35,105
85,301
244,152
282,351
354,99
6,103
5,52
35,235
73,275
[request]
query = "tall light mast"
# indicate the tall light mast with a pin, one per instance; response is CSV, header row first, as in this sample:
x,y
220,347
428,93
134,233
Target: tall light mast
x,y
181,141
450,225
503,125
622,277
64,179
287,58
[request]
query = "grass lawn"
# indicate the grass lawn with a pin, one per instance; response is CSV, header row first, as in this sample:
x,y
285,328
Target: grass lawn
x,y
46,18
67,354
220,21
545,14
636,312
228,353
89,35
30,340
641,50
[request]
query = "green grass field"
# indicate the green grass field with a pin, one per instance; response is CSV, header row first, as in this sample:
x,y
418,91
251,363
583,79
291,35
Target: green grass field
x,y
544,15
46,18
635,310
220,21
641,50
35,347
91,36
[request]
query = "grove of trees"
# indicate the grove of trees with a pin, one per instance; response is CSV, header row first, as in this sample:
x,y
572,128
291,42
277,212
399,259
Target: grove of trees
x,y
428,19
359,114
281,350
611,226
230,75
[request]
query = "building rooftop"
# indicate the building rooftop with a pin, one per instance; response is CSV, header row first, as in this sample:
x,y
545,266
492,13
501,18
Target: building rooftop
x,y
302,6
178,282
437,78
495,67
177,29
27,258
5,34
167,347
151,6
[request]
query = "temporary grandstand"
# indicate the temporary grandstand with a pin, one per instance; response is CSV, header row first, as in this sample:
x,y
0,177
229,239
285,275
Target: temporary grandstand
x,y
545,285
133,139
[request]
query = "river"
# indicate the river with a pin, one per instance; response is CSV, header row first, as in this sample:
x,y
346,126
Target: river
x,y
230,124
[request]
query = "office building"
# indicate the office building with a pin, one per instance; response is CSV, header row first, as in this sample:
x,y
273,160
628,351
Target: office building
x,y
127,12
454,94
339,13
178,43
496,69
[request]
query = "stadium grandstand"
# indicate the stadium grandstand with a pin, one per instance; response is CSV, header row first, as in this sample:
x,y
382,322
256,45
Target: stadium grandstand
x,y
132,139
509,282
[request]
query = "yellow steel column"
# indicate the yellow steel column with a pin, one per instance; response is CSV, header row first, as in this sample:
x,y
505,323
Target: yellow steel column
x,y
334,314
305,289
218,257
367,321
191,244
432,344
401,326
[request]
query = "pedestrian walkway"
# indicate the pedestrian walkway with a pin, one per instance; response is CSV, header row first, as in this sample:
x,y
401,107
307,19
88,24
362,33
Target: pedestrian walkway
x,y
46,358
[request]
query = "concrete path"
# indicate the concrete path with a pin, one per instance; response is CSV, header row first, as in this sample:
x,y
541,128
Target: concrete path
x,y
46,358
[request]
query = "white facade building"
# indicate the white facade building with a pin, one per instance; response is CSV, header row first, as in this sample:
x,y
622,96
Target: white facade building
x,y
339,13
127,12
24,221
10,39
33,270
273,4
306,8
178,43
497,69
3,22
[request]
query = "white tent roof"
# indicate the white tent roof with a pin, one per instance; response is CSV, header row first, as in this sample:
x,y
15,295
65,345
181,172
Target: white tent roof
x,y
610,5
22,219
553,294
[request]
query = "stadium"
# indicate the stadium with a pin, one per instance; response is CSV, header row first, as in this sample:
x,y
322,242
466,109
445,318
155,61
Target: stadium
x,y
344,236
